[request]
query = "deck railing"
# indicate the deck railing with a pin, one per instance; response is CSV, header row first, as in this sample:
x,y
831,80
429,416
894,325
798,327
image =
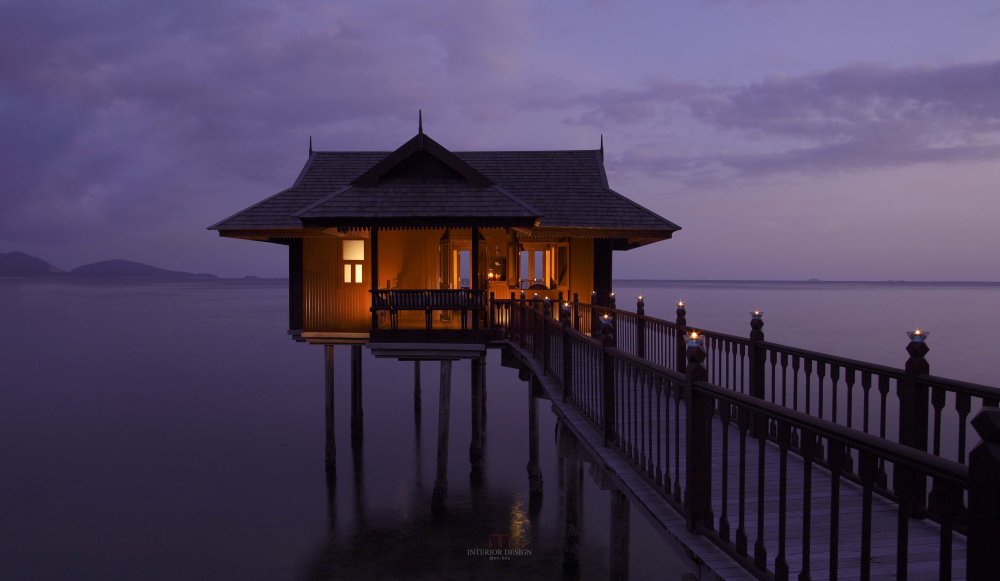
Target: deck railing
x,y
898,434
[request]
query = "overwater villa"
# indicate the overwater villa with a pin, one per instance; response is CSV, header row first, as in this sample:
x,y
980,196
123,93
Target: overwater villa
x,y
421,237
762,460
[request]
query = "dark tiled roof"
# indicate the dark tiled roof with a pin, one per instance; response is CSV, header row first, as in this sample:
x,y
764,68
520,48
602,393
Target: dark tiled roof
x,y
401,200
564,188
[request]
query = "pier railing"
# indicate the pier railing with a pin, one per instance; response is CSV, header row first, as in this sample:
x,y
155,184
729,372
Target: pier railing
x,y
899,435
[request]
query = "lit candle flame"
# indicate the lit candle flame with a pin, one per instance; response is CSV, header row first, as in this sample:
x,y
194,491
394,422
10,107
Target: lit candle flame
x,y
606,317
680,303
918,332
640,297
694,335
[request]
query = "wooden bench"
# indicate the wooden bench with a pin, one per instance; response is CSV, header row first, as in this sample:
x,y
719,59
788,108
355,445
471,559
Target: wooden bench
x,y
393,301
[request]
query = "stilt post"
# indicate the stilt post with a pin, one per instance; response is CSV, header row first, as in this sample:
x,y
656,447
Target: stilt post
x,y
331,433
440,494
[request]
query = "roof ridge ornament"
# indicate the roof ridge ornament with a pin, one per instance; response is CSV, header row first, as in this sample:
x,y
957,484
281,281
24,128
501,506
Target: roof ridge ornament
x,y
310,145
602,147
420,128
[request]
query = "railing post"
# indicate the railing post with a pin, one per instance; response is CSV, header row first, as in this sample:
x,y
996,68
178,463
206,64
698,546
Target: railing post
x,y
567,354
758,363
544,332
522,317
680,355
576,311
698,488
489,310
595,319
984,498
608,381
640,327
913,404
758,371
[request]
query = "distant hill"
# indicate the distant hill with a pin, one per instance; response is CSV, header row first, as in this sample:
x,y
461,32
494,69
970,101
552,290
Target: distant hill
x,y
21,264
129,269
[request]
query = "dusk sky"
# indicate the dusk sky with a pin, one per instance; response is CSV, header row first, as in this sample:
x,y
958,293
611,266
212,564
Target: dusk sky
x,y
789,139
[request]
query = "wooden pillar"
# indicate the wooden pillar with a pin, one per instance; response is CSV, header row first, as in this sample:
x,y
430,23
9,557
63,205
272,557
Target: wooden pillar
x,y
295,284
602,270
619,536
476,445
331,439
416,391
374,277
482,417
440,494
474,272
417,427
357,410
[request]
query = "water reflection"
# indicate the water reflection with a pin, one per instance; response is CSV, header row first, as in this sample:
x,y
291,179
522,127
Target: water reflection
x,y
485,530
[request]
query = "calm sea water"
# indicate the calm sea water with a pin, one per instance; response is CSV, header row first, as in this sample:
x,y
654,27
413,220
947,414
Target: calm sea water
x,y
173,430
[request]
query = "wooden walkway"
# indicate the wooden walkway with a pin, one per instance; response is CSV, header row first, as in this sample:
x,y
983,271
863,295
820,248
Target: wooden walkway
x,y
924,535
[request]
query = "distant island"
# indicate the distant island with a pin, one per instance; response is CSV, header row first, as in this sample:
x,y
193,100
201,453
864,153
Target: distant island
x,y
24,265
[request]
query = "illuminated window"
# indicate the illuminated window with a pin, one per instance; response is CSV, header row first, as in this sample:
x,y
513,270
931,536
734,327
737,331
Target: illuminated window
x,y
354,256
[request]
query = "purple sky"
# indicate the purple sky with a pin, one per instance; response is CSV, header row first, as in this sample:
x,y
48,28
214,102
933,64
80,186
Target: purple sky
x,y
790,139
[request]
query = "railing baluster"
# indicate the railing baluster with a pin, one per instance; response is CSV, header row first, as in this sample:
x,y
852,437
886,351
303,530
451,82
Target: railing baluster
x,y
725,416
743,421
962,406
658,478
759,549
781,561
866,469
808,445
835,458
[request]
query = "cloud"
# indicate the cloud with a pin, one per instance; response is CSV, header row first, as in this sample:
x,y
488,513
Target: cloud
x,y
131,116
862,116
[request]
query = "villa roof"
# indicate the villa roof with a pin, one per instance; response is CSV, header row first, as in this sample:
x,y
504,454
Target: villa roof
x,y
422,182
